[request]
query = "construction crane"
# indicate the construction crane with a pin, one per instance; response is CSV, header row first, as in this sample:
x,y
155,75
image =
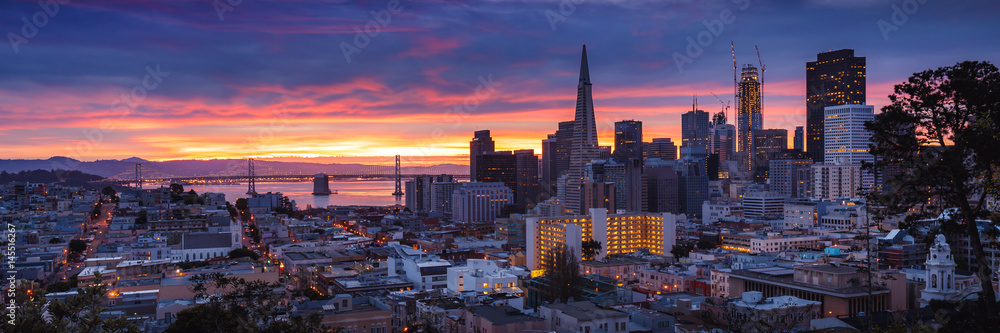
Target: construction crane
x,y
762,70
725,107
736,85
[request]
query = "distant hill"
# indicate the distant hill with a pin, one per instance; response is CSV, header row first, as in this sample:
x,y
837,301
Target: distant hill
x,y
125,169
68,178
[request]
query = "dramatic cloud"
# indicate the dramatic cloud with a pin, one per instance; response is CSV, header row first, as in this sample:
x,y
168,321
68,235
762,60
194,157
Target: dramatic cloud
x,y
196,79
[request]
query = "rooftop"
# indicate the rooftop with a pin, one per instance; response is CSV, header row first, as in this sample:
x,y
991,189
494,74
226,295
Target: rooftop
x,y
502,315
585,310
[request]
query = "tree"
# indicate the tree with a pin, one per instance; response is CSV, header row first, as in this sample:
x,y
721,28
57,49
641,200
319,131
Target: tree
x,y
176,189
109,191
243,206
591,248
680,251
563,274
233,213
235,304
78,313
142,217
243,252
77,246
938,141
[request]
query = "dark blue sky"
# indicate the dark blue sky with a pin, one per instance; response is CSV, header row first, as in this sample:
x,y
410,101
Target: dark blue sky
x,y
269,78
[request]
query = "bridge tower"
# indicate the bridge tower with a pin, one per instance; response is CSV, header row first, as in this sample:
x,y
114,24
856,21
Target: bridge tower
x,y
138,175
399,181
251,183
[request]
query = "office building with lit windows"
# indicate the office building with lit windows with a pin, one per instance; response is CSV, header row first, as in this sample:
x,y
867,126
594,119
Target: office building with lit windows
x,y
618,234
835,78
846,139
477,202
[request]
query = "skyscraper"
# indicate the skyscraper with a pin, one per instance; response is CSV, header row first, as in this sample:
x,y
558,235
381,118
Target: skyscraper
x,y
799,141
722,138
564,143
693,181
628,140
476,202
550,146
694,129
846,139
481,144
662,148
787,172
662,186
835,78
765,144
500,167
526,192
748,111
585,147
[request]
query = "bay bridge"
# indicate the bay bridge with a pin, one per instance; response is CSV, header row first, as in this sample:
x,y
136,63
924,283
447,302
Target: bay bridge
x,y
367,172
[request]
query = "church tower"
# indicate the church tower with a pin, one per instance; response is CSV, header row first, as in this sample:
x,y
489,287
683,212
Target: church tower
x,y
940,266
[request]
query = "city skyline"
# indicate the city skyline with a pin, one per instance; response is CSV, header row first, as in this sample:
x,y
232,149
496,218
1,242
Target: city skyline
x,y
265,79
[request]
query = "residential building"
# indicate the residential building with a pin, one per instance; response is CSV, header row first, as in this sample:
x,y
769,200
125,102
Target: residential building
x,y
583,316
480,202
619,234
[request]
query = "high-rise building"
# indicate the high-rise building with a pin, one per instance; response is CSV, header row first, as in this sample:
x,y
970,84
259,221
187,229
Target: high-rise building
x,y
799,142
836,180
526,190
662,148
477,202
763,205
564,143
550,171
585,146
500,167
627,180
785,175
481,144
723,141
598,194
835,78
846,139
619,234
628,140
604,152
661,186
694,129
766,143
693,181
419,192
441,195
748,110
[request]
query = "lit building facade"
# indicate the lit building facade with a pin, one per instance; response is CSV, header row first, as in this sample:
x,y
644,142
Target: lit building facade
x,y
618,234
835,78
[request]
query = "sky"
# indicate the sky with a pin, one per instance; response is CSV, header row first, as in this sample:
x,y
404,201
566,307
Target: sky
x,y
361,81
